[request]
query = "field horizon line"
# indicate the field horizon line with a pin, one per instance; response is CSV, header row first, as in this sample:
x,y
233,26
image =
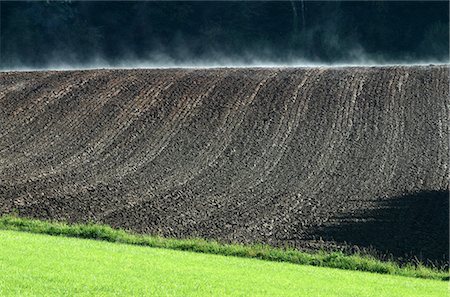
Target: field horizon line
x,y
224,66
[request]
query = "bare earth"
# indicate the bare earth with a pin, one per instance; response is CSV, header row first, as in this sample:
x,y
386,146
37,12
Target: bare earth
x,y
333,158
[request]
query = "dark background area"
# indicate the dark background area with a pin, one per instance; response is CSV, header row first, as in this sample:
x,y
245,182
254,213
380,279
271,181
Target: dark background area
x,y
86,34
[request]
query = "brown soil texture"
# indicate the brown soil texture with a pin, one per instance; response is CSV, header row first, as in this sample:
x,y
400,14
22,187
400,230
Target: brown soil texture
x,y
316,158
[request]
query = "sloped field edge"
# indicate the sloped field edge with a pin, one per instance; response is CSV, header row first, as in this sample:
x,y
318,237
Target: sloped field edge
x,y
264,252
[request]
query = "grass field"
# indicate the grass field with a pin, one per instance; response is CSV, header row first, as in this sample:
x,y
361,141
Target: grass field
x,y
43,265
264,252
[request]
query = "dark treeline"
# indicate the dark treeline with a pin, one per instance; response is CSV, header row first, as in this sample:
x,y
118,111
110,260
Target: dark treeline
x,y
42,34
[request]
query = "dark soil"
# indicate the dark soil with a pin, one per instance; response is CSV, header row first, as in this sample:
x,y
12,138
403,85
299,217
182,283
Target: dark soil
x,y
332,158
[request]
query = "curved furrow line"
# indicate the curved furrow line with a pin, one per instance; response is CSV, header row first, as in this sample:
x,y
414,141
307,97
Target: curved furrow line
x,y
340,157
402,86
423,115
138,104
63,111
369,110
293,121
8,93
73,120
247,200
184,113
329,159
21,109
300,153
143,127
371,142
86,165
324,160
39,113
80,123
121,147
379,138
265,114
18,92
10,84
233,120
442,175
391,124
446,140
226,136
293,110
312,177
222,137
160,184
338,149
367,137
395,115
239,138
192,168
184,109
105,107
30,143
254,203
233,140
58,179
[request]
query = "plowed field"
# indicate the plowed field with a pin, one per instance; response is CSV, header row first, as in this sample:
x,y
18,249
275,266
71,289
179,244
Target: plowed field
x,y
333,158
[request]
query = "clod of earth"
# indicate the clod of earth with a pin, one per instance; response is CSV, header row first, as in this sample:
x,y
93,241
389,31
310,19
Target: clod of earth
x,y
315,158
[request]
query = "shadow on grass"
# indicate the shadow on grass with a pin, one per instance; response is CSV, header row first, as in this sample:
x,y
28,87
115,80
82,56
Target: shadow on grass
x,y
405,228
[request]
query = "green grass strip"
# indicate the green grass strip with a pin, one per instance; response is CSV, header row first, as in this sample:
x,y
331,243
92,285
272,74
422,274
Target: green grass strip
x,y
322,259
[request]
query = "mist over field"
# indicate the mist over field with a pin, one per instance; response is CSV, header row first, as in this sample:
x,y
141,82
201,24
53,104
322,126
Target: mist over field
x,y
71,35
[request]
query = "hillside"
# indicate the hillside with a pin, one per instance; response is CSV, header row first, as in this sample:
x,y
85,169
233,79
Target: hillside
x,y
335,158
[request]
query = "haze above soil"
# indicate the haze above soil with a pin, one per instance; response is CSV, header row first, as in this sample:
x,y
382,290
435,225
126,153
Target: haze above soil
x,y
143,66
